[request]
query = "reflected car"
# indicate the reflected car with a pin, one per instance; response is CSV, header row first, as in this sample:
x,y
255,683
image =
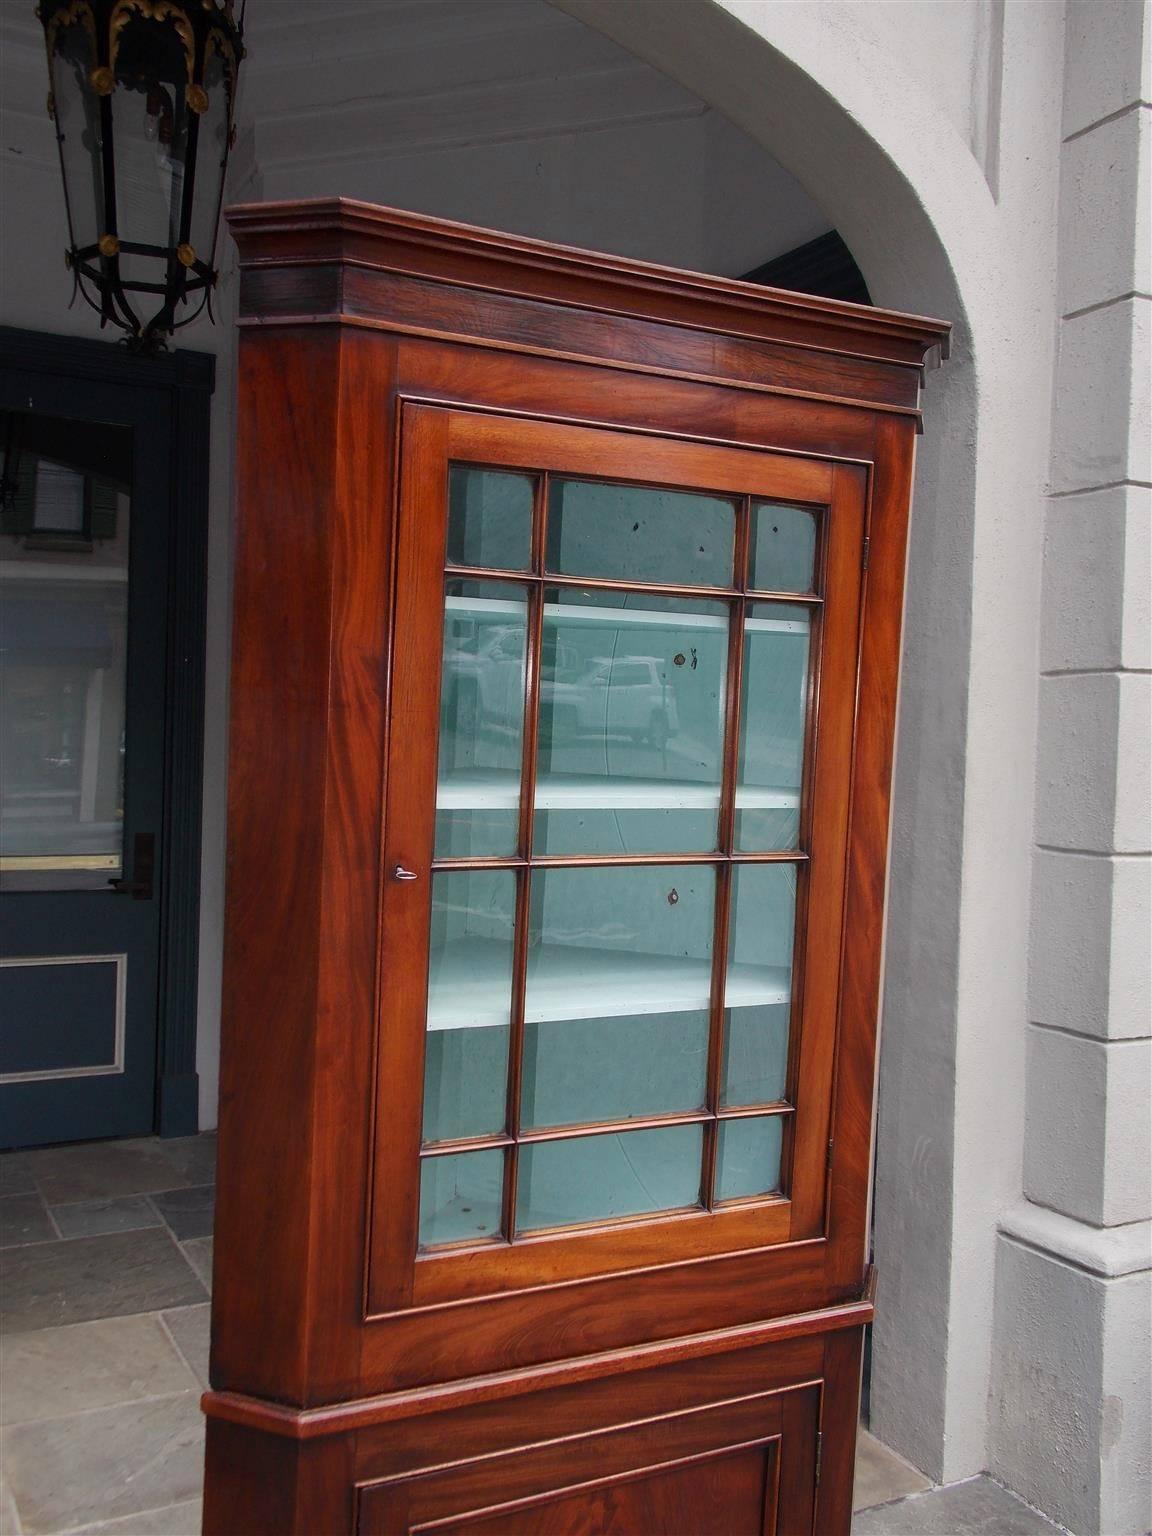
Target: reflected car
x,y
625,696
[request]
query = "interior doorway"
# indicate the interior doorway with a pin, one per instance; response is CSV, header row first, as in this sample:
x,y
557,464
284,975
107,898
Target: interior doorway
x,y
101,681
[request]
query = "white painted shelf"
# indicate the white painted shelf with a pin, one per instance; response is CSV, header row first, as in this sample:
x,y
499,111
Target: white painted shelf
x,y
488,609
593,792
470,988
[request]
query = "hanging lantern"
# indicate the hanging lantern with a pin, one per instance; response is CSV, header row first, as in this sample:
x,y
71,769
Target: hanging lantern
x,y
142,93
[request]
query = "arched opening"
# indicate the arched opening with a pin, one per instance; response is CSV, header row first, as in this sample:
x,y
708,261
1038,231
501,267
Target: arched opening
x,y
839,122
679,134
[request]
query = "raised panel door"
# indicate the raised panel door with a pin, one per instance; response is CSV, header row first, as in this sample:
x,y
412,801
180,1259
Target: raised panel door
x,y
745,1468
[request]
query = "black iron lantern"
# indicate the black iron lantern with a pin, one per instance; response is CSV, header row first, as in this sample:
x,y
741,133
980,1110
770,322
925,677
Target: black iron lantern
x,y
142,94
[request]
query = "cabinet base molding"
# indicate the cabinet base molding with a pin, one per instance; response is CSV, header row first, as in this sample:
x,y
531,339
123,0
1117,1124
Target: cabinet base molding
x,y
367,1412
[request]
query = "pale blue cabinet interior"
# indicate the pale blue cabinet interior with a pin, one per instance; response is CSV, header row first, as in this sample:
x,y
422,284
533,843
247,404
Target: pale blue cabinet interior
x,y
575,998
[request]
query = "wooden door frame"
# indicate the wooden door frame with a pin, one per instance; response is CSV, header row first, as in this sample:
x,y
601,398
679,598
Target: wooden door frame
x,y
402,1277
184,382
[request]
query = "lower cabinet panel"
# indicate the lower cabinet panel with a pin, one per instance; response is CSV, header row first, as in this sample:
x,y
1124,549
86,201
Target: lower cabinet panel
x,y
730,1468
731,1493
741,1442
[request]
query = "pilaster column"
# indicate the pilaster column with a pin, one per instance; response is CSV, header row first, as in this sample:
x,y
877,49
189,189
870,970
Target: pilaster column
x,y
1070,1419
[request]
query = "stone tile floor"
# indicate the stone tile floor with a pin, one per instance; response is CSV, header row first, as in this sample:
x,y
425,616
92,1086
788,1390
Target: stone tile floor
x,y
105,1272
105,1268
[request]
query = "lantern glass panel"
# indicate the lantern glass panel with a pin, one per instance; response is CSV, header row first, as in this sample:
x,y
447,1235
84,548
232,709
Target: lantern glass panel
x,y
77,110
211,154
150,118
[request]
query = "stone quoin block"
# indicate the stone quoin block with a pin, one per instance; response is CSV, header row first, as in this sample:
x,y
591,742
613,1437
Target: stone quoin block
x,y
1094,774
1088,1147
1069,1413
1097,612
1105,222
1089,965
1103,398
1106,65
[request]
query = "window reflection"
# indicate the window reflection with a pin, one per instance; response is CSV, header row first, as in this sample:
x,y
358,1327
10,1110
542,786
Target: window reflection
x,y
64,540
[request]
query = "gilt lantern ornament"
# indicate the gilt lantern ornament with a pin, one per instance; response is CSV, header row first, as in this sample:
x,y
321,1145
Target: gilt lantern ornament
x,y
142,93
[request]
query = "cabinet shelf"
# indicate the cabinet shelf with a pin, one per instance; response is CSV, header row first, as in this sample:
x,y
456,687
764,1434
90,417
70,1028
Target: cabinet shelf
x,y
565,982
488,609
592,792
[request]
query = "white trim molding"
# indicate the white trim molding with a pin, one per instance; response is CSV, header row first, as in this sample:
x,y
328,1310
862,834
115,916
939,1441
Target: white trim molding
x,y
99,1069
1109,1252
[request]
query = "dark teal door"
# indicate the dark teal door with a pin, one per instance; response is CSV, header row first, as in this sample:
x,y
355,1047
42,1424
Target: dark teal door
x,y
84,553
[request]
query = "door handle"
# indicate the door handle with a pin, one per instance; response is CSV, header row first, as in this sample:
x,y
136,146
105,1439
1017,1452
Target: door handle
x,y
400,873
143,869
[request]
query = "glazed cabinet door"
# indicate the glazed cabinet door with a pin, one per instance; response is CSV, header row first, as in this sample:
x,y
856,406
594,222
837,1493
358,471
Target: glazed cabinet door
x,y
620,746
743,1469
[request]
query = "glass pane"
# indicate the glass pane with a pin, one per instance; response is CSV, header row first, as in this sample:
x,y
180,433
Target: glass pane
x,y
211,147
617,1068
758,989
489,518
631,734
77,113
619,979
469,1003
640,533
783,548
592,1178
481,719
64,539
460,1197
773,712
749,1157
150,123
59,499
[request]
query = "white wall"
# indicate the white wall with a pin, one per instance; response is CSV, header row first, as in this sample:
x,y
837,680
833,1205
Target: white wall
x,y
512,115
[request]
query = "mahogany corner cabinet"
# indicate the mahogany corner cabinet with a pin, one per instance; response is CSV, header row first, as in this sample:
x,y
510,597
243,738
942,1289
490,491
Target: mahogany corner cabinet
x,y
567,624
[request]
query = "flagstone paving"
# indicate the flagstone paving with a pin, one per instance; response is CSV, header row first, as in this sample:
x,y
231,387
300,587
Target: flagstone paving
x,y
105,1275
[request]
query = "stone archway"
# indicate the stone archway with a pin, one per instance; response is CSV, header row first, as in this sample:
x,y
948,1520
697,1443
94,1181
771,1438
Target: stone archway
x,y
917,201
